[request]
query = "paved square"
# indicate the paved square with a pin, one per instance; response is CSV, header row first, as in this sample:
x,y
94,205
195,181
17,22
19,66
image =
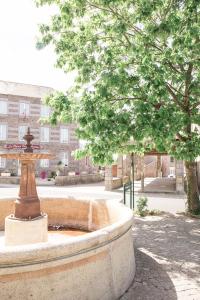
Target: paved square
x,y
167,258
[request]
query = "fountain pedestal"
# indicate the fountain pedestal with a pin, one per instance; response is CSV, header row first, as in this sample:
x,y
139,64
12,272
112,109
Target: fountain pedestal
x,y
27,225
18,232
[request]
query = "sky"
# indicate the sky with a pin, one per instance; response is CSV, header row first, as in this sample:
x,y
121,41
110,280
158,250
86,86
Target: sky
x,y
20,61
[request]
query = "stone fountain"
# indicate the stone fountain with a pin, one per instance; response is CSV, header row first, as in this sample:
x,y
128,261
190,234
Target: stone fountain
x,y
37,264
27,225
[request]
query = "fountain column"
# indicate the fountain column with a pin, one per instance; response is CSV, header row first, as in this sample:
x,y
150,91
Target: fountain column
x,y
27,205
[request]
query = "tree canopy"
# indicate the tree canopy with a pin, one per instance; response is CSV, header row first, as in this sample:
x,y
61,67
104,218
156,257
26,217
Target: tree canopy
x,y
138,79
138,62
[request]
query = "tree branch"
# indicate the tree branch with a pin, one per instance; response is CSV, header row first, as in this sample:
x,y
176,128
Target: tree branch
x,y
173,88
195,106
174,97
124,98
182,138
187,84
127,39
97,6
173,67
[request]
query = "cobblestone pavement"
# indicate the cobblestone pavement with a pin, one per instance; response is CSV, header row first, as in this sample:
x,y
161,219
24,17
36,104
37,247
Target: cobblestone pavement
x,y
167,250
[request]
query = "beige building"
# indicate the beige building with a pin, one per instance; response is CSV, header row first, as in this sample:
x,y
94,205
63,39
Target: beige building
x,y
158,166
21,106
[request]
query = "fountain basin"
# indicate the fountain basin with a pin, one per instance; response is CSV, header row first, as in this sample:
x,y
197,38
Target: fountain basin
x,y
97,265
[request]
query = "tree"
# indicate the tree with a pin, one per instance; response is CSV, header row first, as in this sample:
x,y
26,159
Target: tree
x,y
137,81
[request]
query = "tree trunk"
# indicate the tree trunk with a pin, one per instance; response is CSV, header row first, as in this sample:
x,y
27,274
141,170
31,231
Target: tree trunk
x,y
193,201
198,175
142,174
158,166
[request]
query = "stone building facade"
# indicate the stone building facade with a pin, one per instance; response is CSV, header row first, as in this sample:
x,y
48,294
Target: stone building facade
x,y
147,166
21,106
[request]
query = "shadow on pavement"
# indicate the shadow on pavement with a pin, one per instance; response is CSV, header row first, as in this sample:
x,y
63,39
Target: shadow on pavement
x,y
173,240
151,281
167,258
160,185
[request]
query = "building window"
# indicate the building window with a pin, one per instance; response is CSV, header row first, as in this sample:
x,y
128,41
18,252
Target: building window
x,y
3,107
3,132
44,163
22,132
45,111
2,162
65,158
171,159
63,135
44,134
24,109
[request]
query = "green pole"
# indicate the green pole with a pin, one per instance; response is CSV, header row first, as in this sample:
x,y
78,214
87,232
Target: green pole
x,y
133,178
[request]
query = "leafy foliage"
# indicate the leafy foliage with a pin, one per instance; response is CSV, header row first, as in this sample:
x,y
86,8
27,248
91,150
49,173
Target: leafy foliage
x,y
138,76
142,206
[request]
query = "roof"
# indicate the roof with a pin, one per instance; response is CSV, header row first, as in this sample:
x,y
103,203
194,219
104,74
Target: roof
x,y
24,89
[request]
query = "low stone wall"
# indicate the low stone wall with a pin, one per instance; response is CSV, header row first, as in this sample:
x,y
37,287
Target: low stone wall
x,y
97,265
9,180
76,179
116,183
59,180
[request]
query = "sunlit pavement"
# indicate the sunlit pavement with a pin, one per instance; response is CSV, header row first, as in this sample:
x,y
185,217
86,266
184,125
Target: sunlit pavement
x,y
160,193
159,185
83,191
172,203
168,202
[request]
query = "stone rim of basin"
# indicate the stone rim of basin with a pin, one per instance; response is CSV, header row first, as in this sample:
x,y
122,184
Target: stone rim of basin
x,y
45,252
